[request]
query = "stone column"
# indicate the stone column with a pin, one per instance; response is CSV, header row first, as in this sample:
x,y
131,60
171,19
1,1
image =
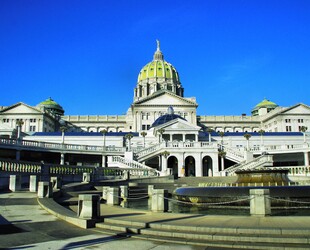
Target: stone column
x,y
33,183
15,183
159,203
198,165
45,189
104,161
113,196
62,159
105,191
306,158
150,189
124,192
88,206
56,182
260,202
86,177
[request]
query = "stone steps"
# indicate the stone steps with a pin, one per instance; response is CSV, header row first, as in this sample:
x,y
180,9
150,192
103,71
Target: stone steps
x,y
249,238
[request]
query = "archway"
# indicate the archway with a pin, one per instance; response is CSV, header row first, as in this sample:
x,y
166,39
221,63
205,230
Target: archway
x,y
190,166
207,166
173,166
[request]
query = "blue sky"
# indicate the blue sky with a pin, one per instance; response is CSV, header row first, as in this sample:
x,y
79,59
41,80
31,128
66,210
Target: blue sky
x,y
86,55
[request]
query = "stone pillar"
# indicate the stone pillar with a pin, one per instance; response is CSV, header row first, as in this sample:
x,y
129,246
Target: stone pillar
x,y
33,183
260,202
62,159
163,164
124,192
248,156
198,165
159,203
56,182
113,196
126,175
104,161
88,206
86,177
150,189
105,191
306,158
45,189
15,183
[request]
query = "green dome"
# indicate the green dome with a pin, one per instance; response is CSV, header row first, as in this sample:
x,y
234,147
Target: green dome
x,y
158,69
264,104
51,106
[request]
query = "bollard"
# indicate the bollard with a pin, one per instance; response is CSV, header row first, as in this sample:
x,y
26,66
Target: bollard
x,y
105,192
159,203
260,202
15,183
88,206
150,189
113,196
45,189
124,192
33,183
56,182
86,177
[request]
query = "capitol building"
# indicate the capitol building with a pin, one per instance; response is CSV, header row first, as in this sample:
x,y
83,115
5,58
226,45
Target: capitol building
x,y
162,130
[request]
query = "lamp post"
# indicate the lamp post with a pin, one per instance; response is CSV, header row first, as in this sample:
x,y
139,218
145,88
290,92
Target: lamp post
x,y
164,154
143,134
221,134
247,137
104,132
222,154
62,129
303,129
128,137
261,132
19,123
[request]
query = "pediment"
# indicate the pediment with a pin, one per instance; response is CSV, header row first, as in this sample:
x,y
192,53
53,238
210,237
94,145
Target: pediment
x,y
179,125
20,108
298,109
167,99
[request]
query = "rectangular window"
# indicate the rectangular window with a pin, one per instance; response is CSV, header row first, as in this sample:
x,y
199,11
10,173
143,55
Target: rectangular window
x,y
6,120
300,120
288,129
287,120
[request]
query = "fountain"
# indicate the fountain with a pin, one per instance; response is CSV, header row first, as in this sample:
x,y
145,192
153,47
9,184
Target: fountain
x,y
277,181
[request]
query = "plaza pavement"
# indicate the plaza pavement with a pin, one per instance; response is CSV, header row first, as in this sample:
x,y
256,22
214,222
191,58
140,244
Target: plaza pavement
x,y
25,224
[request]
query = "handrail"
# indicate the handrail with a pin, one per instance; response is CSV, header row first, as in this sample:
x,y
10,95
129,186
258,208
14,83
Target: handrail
x,y
60,146
134,164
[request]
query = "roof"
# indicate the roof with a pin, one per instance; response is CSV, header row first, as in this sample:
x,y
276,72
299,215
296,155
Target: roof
x,y
84,134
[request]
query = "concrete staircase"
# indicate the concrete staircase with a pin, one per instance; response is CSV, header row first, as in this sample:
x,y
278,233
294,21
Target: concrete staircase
x,y
219,237
256,163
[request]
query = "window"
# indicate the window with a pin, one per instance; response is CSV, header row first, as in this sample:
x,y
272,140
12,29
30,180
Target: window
x,y
288,128
287,120
300,120
32,128
33,120
6,120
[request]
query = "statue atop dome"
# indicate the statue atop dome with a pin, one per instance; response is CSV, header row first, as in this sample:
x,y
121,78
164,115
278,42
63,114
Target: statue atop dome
x,y
158,44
